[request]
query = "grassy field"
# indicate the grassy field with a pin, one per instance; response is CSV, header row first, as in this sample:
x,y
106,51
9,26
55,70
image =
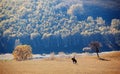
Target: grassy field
x,y
108,64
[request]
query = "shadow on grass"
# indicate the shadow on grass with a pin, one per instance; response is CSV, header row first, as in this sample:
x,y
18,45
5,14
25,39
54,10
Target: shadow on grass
x,y
103,59
35,58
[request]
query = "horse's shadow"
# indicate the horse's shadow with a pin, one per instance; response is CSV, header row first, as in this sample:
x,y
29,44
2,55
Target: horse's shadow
x,y
103,59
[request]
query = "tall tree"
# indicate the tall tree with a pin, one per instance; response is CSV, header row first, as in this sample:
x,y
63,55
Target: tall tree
x,y
95,45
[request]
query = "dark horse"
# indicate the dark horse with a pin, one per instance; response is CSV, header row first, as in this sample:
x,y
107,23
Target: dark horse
x,y
74,60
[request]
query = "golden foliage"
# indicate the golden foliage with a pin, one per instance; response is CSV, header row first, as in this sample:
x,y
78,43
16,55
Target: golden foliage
x,y
22,52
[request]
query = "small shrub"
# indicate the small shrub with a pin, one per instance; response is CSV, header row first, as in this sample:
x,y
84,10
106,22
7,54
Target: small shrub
x,y
52,56
74,54
61,54
22,52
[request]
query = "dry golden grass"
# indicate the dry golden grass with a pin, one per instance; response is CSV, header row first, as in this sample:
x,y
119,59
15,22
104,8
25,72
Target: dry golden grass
x,y
109,64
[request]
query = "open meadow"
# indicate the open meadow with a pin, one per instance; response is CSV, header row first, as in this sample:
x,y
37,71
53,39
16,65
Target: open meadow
x,y
108,64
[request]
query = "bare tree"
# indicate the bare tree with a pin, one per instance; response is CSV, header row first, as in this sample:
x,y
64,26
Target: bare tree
x,y
95,45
